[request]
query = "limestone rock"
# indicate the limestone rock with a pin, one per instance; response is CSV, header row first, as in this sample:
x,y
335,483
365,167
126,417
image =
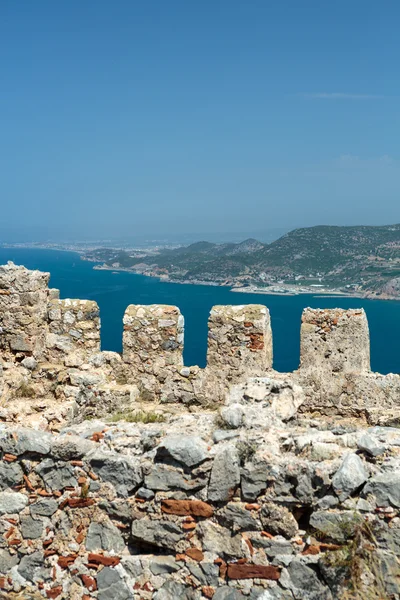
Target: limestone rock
x,y
22,440
10,475
56,475
225,474
161,533
386,489
12,502
123,473
111,584
278,520
350,476
304,583
190,451
104,536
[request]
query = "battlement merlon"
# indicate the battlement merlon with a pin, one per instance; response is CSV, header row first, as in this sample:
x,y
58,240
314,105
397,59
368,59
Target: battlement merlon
x,y
239,340
335,341
73,330
23,310
153,337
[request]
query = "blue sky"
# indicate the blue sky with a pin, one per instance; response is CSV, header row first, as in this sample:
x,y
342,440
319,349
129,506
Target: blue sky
x,y
127,117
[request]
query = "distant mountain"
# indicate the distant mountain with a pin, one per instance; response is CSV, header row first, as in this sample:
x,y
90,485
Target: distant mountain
x,y
362,258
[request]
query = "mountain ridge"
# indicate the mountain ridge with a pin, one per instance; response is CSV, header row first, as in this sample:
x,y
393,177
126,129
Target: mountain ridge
x,y
355,259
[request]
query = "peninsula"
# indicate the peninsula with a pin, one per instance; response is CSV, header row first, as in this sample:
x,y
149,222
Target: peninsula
x,y
360,260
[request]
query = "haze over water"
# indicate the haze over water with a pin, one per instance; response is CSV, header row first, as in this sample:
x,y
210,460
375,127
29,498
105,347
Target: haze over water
x,y
114,291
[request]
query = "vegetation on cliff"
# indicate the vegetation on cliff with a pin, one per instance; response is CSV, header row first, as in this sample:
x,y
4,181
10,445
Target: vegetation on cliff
x,y
360,258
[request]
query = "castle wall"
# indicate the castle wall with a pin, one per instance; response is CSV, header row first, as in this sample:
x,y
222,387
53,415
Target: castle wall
x,y
334,341
239,340
184,510
152,344
50,350
23,302
73,330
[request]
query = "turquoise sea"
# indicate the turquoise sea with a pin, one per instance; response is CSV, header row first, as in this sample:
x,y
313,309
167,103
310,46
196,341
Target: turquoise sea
x,y
114,291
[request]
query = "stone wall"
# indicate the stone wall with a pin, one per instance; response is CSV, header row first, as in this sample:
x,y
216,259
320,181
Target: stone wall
x,y
53,370
202,506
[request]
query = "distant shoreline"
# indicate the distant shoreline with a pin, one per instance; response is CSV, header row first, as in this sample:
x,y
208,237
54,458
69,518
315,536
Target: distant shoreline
x,y
323,293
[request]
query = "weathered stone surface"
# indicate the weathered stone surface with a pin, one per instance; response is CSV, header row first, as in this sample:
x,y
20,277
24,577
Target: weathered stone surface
x,y
164,478
304,583
370,444
350,476
31,529
232,415
205,573
111,584
334,340
7,561
189,451
10,475
237,518
12,502
337,526
30,565
227,593
225,475
219,540
45,507
254,480
56,475
104,536
386,489
69,447
20,441
164,534
278,520
123,473
163,564
172,590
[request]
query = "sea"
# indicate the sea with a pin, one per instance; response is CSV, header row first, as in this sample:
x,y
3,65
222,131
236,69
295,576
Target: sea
x,y
115,290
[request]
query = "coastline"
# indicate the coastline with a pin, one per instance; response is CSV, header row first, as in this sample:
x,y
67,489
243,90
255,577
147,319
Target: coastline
x,y
322,293
290,291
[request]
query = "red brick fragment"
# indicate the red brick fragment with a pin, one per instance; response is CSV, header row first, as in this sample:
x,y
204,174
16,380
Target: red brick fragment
x,y
312,550
3,583
89,582
247,571
80,537
107,561
14,542
28,484
252,506
267,535
195,553
9,533
54,592
208,591
66,561
80,502
195,508
222,567
9,457
179,557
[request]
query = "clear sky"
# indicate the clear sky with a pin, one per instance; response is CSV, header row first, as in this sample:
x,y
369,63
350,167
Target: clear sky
x,y
120,117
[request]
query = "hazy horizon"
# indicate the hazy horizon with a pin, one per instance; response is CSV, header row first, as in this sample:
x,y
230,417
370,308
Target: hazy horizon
x,y
133,119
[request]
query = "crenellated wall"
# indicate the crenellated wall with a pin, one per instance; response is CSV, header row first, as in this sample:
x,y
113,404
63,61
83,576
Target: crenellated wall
x,y
50,353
